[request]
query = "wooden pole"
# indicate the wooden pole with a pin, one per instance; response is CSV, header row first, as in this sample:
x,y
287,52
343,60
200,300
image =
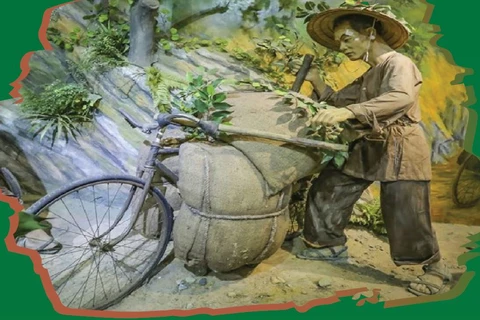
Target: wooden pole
x,y
280,137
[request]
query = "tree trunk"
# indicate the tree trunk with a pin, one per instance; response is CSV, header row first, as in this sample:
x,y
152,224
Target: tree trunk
x,y
200,15
142,30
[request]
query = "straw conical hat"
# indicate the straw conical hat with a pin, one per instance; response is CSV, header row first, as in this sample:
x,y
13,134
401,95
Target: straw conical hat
x,y
320,27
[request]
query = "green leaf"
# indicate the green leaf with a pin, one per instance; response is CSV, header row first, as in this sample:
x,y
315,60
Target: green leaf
x,y
210,90
216,82
222,106
173,31
113,3
327,158
308,18
310,5
219,97
218,116
204,95
89,16
339,160
322,6
102,18
201,106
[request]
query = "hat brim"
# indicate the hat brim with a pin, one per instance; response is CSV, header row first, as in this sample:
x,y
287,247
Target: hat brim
x,y
320,27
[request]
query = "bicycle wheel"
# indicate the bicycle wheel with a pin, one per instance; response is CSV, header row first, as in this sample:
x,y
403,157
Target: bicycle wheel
x,y
89,273
466,187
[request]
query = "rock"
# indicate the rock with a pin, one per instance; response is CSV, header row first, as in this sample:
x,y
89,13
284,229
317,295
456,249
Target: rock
x,y
304,292
276,280
182,285
325,282
190,306
202,281
190,280
231,294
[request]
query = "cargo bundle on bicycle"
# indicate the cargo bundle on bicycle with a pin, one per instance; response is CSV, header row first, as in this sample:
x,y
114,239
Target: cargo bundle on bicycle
x,y
236,192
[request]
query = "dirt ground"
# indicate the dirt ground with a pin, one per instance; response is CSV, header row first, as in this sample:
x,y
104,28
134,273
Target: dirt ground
x,y
284,278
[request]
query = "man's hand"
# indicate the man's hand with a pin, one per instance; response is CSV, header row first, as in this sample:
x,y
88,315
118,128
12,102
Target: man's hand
x,y
313,74
332,116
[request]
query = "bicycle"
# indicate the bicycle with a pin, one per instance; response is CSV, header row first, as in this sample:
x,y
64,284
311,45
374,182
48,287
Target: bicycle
x,y
113,241
105,239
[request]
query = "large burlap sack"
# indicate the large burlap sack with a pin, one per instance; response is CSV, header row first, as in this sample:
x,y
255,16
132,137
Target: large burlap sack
x,y
280,164
218,178
222,245
227,219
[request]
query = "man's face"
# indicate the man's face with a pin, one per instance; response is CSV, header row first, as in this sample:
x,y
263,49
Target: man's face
x,y
352,43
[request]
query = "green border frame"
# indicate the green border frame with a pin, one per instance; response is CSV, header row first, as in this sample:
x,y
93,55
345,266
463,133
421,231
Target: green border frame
x,y
24,294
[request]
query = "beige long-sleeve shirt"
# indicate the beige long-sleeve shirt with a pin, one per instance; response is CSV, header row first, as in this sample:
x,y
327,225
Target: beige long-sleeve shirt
x,y
385,101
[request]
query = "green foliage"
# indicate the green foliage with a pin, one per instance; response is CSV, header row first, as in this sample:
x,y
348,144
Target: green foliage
x,y
109,14
203,99
165,18
107,47
311,9
106,38
60,109
370,218
331,134
28,223
75,38
251,14
160,85
273,57
173,39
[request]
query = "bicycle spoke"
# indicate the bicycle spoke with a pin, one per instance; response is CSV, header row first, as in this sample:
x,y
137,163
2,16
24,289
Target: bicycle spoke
x,y
56,214
108,210
85,211
116,260
74,269
74,220
74,250
115,270
95,205
84,285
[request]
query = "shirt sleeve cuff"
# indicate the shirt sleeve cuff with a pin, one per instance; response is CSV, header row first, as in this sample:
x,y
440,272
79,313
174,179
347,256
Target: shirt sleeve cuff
x,y
360,113
326,93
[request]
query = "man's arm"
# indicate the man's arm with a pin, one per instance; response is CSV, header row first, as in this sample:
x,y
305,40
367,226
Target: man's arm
x,y
397,93
341,98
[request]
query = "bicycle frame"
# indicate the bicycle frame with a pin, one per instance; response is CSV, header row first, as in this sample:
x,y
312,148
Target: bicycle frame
x,y
149,169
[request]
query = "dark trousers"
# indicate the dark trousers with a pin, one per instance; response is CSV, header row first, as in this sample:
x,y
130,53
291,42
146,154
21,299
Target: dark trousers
x,y
405,207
